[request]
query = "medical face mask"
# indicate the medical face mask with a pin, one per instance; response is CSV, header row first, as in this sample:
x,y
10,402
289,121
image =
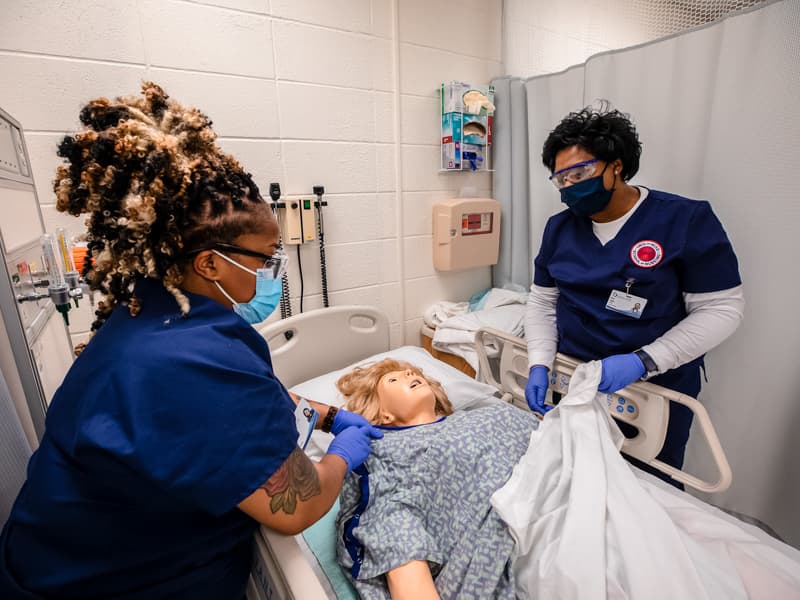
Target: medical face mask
x,y
587,197
266,298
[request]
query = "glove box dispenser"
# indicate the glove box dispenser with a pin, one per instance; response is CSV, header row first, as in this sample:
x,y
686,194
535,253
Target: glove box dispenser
x,y
466,233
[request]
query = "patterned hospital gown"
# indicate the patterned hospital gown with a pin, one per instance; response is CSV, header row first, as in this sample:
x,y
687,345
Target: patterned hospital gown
x,y
426,496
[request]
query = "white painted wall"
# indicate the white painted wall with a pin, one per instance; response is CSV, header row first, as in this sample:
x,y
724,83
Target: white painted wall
x,y
303,92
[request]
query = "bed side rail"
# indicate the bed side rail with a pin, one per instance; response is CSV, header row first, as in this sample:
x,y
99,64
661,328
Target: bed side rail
x,y
642,405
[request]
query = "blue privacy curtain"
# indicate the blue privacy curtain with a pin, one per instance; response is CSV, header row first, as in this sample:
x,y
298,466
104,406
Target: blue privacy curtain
x,y
718,114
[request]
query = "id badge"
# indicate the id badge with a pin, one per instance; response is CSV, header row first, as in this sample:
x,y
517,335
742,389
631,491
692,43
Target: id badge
x,y
626,304
306,419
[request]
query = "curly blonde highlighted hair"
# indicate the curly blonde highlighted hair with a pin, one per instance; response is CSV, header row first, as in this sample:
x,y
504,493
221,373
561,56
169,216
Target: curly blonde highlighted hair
x,y
155,186
360,388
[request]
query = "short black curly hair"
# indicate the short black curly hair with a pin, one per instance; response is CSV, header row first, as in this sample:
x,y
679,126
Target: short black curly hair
x,y
607,134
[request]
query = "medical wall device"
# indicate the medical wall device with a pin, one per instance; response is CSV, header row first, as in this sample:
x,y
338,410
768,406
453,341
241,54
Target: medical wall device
x,y
300,221
38,281
467,114
286,305
466,233
319,190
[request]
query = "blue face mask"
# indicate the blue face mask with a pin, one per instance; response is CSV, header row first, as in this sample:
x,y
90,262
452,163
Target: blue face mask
x,y
265,300
587,197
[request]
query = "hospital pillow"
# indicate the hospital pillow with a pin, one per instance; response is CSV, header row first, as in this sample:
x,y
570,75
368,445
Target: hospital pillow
x,y
463,391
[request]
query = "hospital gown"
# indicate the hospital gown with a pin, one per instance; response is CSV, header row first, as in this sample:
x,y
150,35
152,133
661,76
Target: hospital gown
x,y
426,494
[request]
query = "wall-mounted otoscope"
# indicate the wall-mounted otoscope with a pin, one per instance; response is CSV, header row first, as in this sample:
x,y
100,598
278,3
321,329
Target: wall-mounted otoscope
x,y
319,190
286,303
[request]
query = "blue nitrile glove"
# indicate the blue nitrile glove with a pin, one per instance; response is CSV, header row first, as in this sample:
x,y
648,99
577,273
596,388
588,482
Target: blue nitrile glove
x,y
345,418
536,389
352,444
620,371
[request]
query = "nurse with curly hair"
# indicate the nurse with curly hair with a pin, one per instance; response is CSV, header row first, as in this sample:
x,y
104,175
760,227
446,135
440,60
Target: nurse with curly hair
x,y
171,438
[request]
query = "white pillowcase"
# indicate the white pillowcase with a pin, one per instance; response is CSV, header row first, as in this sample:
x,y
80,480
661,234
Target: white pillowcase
x,y
463,392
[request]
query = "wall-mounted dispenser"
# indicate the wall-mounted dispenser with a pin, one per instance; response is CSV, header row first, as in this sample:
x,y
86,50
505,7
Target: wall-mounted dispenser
x,y
467,113
466,233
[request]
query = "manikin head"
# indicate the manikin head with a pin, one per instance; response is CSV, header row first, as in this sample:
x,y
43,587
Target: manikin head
x,y
395,393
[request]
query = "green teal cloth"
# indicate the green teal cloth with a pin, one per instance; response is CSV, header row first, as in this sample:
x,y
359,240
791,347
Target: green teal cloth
x,y
321,540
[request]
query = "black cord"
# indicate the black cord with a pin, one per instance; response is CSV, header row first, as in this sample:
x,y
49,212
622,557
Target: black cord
x,y
322,265
286,305
300,269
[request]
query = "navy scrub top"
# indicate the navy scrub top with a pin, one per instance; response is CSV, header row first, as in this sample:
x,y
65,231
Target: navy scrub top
x,y
669,246
161,427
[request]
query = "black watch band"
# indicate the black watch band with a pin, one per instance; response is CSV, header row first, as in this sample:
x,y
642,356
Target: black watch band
x,y
327,422
650,365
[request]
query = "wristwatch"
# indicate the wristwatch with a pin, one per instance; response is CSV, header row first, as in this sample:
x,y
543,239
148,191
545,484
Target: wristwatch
x,y
327,422
650,366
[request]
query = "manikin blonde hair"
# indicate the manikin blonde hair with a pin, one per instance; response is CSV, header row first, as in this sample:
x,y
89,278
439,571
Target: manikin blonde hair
x,y
360,388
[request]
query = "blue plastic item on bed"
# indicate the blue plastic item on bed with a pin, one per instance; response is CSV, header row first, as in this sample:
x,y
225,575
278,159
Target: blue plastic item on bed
x,y
321,540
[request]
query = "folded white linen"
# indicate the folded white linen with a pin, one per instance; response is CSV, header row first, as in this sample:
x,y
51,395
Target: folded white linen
x,y
456,335
439,312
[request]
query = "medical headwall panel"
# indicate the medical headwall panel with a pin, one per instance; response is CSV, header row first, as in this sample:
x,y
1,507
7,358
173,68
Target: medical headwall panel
x,y
36,352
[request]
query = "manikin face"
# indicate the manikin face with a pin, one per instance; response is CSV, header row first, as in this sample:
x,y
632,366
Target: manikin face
x,y
405,399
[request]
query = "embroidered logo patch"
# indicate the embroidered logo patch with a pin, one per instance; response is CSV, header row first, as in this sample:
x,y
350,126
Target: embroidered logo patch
x,y
647,254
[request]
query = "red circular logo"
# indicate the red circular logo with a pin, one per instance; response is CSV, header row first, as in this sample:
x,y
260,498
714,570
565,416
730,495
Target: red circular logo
x,y
647,254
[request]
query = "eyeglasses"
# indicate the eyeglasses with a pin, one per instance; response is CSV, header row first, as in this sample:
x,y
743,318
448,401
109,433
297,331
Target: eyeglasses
x,y
276,263
574,173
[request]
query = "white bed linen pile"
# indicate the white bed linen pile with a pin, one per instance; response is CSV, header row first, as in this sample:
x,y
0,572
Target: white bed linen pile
x,y
587,527
455,327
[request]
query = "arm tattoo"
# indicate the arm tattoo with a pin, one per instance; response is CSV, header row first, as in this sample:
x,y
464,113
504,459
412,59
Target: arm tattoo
x,y
296,477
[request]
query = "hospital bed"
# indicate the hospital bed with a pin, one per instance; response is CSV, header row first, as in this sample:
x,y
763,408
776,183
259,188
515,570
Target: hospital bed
x,y
310,351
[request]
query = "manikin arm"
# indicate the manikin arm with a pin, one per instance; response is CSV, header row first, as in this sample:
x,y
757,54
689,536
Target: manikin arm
x,y
412,581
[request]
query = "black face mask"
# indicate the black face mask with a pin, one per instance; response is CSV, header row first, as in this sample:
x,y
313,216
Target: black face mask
x,y
588,197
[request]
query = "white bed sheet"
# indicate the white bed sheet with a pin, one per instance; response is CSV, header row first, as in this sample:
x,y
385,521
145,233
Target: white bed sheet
x,y
587,528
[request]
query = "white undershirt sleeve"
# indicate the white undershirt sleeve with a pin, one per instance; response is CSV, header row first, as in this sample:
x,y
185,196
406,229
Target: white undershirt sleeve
x,y
711,318
541,333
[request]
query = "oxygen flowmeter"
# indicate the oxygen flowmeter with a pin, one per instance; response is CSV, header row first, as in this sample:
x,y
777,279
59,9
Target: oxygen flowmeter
x,y
63,281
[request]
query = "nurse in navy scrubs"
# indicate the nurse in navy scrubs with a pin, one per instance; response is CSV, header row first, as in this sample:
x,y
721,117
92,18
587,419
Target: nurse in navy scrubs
x,y
644,280
170,438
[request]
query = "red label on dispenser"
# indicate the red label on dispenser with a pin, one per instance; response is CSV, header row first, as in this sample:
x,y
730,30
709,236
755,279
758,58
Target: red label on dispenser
x,y
476,223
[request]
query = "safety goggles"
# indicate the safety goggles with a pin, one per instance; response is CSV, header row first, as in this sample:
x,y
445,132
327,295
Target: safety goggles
x,y
574,173
276,263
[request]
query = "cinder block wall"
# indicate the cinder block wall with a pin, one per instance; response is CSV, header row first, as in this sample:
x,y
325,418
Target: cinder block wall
x,y
302,92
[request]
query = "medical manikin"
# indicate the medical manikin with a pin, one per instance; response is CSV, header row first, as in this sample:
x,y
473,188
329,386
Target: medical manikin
x,y
415,519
